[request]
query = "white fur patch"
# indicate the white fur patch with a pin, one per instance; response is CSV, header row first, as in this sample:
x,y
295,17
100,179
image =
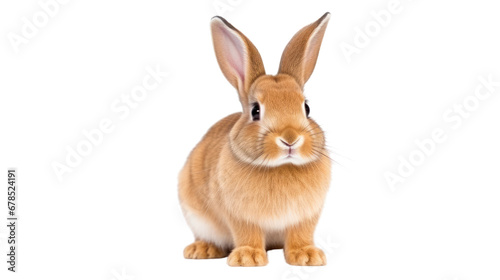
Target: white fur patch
x,y
290,217
205,230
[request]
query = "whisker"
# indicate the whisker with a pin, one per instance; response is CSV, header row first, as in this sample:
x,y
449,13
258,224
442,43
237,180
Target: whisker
x,y
321,132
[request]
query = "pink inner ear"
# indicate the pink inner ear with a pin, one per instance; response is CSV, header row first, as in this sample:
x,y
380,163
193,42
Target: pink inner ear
x,y
235,53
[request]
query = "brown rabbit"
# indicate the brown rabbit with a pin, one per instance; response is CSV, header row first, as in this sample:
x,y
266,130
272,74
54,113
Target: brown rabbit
x,y
258,179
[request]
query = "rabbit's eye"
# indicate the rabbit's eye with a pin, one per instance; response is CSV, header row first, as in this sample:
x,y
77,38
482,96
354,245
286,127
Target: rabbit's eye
x,y
308,110
255,112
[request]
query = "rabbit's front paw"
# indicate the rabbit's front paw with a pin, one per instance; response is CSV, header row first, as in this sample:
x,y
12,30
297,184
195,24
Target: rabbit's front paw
x,y
203,250
247,256
308,255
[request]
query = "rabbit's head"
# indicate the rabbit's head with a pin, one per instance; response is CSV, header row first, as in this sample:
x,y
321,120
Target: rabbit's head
x,y
275,127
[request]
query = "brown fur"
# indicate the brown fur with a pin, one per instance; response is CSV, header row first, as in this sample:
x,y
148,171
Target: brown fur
x,y
235,192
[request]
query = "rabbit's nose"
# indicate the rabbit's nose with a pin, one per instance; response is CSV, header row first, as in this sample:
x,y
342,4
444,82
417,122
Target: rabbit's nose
x,y
289,137
286,143
289,145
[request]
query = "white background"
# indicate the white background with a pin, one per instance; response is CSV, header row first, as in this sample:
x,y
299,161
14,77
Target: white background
x,y
116,215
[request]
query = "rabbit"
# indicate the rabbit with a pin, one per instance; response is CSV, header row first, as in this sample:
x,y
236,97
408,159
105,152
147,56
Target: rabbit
x,y
258,179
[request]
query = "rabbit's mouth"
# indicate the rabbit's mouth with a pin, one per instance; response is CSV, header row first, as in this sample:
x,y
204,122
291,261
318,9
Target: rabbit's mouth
x,y
291,155
291,152
290,148
293,159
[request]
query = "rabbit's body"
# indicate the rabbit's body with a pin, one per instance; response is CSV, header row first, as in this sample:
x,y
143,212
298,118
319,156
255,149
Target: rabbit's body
x,y
272,198
258,179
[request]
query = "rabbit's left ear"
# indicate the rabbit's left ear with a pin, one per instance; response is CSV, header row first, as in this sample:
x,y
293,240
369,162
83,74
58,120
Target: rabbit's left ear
x,y
238,58
300,55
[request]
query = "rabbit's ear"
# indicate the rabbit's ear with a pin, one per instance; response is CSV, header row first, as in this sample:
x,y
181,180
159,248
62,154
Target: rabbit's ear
x,y
300,55
238,58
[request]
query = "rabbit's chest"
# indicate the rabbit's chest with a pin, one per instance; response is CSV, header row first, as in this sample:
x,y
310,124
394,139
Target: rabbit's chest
x,y
276,204
274,198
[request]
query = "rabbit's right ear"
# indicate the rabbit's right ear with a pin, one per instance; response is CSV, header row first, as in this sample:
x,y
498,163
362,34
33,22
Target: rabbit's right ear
x,y
238,58
300,55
